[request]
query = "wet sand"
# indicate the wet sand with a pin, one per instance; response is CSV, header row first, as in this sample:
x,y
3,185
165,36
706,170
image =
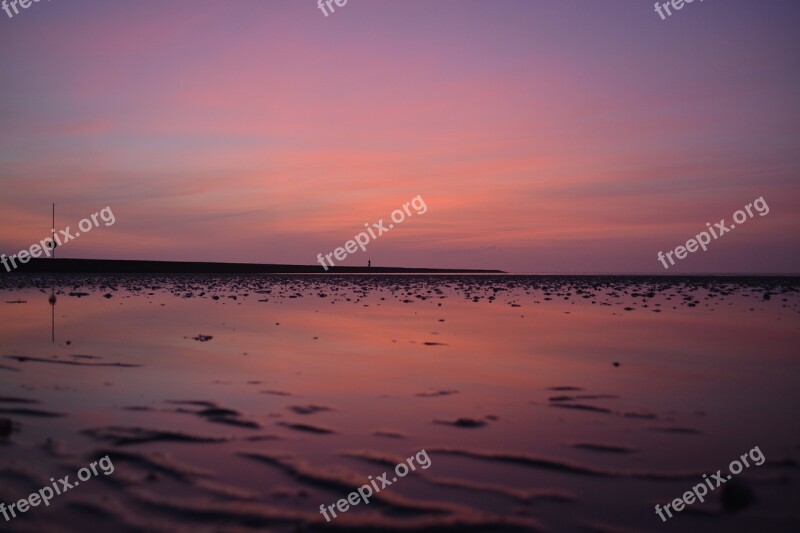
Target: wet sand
x,y
242,403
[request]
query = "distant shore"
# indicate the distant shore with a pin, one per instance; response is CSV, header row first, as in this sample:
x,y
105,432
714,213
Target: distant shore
x,y
115,266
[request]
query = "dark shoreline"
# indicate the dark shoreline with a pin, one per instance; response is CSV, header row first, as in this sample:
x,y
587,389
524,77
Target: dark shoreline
x,y
114,266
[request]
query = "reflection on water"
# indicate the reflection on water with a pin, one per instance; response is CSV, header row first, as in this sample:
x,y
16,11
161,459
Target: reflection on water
x,y
52,300
243,403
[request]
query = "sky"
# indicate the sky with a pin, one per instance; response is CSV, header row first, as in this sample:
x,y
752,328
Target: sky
x,y
568,136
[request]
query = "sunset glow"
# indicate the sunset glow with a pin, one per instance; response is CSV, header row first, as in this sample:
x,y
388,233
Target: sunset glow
x,y
544,136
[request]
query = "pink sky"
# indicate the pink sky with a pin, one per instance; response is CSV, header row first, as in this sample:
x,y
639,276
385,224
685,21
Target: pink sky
x,y
568,136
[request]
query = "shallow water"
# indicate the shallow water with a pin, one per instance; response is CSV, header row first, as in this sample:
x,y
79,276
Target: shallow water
x,y
243,403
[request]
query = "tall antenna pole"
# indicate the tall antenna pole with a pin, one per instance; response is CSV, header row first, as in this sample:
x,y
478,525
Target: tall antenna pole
x,y
53,228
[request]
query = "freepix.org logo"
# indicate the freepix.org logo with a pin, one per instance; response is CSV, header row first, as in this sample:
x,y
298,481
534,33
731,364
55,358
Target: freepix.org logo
x,y
49,244
329,3
664,7
45,494
15,5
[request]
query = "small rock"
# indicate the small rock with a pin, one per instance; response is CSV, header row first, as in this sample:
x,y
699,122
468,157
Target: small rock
x,y
5,428
736,495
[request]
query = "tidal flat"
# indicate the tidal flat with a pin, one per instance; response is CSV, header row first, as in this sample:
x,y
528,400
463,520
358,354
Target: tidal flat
x,y
545,403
